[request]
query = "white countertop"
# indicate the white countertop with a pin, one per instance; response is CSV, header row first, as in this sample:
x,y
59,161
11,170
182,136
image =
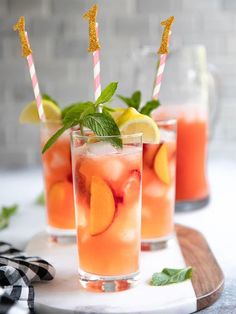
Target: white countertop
x,y
217,221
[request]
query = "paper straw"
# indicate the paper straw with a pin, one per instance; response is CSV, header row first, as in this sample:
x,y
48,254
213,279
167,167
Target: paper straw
x,y
96,71
35,85
159,74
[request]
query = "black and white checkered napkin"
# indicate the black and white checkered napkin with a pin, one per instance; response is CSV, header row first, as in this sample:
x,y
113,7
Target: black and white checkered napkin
x,y
17,273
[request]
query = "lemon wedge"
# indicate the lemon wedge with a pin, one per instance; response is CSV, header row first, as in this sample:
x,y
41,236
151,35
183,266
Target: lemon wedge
x,y
30,112
117,113
131,122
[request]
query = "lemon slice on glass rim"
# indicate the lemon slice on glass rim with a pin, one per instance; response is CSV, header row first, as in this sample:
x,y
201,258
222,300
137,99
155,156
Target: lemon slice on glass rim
x,y
132,122
30,112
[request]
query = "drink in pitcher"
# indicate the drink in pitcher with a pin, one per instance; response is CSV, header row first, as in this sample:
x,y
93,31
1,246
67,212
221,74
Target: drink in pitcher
x,y
158,196
192,190
58,182
107,187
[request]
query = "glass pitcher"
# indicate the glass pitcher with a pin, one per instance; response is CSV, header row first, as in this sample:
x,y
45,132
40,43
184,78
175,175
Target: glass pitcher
x,y
187,91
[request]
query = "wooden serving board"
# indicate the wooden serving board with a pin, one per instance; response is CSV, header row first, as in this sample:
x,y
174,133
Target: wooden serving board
x,y
65,295
208,278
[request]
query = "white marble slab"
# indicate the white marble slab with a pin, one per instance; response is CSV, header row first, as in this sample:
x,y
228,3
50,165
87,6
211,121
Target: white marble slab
x,y
65,295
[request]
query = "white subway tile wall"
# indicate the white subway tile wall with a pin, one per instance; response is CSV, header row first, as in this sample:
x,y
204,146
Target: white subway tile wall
x,y
58,37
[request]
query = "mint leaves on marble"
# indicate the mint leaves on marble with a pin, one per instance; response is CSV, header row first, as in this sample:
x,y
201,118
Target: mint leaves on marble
x,y
92,115
169,276
5,215
135,102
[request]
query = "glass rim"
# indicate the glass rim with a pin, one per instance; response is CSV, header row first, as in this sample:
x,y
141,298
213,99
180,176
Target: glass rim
x,y
78,134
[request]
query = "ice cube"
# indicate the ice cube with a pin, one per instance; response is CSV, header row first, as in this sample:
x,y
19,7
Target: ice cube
x,y
101,148
113,168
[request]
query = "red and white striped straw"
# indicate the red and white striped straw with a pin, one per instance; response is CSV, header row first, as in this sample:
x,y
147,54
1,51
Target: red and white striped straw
x,y
35,85
96,71
160,70
159,75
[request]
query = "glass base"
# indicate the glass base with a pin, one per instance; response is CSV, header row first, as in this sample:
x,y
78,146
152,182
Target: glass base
x,y
186,206
61,235
107,283
158,243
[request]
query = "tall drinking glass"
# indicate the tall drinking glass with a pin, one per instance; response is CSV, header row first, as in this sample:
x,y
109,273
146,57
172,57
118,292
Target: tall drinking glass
x,y
107,191
158,201
58,182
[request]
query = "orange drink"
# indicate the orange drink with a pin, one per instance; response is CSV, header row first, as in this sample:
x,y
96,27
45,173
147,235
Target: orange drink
x,y
107,187
158,196
58,182
192,190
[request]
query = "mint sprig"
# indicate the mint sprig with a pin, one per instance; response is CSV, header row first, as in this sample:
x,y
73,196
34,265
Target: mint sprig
x,y
85,115
5,215
170,275
135,102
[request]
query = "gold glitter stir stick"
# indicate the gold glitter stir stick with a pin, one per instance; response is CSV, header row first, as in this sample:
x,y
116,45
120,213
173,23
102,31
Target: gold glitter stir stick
x,y
165,36
20,26
91,15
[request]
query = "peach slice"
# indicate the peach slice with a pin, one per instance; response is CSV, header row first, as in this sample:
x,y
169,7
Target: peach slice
x,y
161,167
60,203
102,206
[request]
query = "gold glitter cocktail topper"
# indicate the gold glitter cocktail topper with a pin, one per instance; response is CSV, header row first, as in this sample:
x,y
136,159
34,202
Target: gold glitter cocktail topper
x,y
165,36
20,26
93,38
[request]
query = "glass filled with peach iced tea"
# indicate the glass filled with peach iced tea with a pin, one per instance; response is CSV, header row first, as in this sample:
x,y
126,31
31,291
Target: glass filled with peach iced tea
x,y
107,190
58,184
158,195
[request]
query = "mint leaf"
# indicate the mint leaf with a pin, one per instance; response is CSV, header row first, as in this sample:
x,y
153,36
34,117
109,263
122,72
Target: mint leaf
x,y
106,108
170,275
133,101
73,116
149,107
107,93
136,99
126,100
40,200
53,139
66,109
107,111
47,97
103,125
5,214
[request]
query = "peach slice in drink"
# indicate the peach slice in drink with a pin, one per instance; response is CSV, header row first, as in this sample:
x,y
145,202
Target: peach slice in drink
x,y
102,206
60,203
161,166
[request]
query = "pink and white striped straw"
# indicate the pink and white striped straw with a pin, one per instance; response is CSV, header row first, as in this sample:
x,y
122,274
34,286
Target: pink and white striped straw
x,y
96,71
35,85
159,75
